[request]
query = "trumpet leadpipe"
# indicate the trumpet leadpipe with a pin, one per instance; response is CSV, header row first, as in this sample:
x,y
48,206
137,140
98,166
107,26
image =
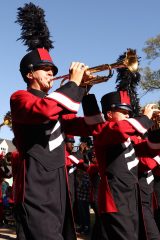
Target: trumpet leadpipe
x,y
130,61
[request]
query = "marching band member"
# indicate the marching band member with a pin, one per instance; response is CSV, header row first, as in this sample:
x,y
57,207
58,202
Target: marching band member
x,y
120,179
118,158
149,167
36,122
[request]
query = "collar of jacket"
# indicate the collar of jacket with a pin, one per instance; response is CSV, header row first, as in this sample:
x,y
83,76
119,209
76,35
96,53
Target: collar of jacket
x,y
37,93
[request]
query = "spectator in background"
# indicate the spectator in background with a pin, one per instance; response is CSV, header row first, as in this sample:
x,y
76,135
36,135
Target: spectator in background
x,y
86,148
5,172
5,186
17,173
1,201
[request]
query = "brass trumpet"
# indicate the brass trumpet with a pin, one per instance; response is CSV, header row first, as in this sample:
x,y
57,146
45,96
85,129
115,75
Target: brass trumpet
x,y
155,116
130,61
156,119
7,120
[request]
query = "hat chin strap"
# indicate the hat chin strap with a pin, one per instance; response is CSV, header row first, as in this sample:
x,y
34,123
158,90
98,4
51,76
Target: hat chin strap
x,y
108,115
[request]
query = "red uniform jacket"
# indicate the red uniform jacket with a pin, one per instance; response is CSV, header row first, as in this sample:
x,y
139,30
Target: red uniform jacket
x,y
116,137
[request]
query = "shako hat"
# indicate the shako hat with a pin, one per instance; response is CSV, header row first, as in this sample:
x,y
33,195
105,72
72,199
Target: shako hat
x,y
87,140
69,138
36,58
34,34
115,100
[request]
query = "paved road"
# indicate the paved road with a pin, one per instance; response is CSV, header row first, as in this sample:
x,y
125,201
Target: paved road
x,y
9,234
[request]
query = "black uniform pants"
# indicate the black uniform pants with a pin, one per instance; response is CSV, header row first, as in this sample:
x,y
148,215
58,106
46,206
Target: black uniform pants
x,y
50,219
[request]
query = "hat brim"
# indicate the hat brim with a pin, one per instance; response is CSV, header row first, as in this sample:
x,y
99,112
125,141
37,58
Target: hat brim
x,y
69,141
47,63
122,106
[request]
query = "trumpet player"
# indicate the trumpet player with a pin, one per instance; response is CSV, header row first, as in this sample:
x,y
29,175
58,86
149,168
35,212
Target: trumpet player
x,y
118,148
118,161
38,134
119,187
36,120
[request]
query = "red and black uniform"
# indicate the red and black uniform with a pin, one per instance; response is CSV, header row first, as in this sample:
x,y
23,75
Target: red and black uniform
x,y
39,135
118,189
119,195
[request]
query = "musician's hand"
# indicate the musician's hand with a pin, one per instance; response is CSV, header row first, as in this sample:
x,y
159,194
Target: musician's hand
x,y
87,77
150,110
76,72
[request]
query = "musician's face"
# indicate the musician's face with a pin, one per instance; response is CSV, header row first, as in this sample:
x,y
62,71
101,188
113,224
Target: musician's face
x,y
69,146
118,115
41,78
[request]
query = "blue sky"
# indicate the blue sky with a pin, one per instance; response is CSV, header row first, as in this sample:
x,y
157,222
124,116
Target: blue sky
x,y
91,31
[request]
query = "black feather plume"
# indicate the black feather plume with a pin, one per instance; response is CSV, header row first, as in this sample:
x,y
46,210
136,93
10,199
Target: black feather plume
x,y
34,31
128,81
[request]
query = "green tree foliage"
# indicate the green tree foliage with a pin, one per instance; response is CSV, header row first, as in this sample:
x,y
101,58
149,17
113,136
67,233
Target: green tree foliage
x,y
151,79
152,48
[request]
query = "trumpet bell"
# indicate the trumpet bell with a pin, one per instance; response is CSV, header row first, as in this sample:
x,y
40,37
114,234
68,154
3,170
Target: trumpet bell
x,y
7,120
131,60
